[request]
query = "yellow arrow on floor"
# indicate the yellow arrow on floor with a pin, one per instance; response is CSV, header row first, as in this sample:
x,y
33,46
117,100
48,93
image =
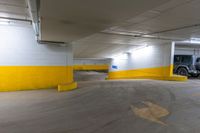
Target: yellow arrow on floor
x,y
151,112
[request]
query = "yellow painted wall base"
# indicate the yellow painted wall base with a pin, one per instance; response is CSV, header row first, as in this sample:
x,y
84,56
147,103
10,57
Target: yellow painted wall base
x,y
176,78
67,87
13,78
171,78
158,73
91,67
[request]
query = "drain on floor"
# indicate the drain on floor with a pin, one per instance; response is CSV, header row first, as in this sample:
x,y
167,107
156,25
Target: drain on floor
x,y
151,112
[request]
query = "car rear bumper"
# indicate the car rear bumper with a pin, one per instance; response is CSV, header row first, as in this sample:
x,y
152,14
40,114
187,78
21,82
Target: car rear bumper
x,y
194,72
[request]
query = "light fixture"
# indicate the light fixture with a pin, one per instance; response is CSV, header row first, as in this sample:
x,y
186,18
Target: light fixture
x,y
4,22
189,41
138,48
127,54
195,40
121,56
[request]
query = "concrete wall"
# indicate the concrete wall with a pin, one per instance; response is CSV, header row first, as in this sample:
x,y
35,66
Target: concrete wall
x,y
187,51
91,64
153,61
144,57
24,64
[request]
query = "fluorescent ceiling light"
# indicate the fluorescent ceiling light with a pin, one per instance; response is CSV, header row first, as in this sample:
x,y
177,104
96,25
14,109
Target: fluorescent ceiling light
x,y
195,40
138,48
4,23
198,39
126,54
121,56
190,41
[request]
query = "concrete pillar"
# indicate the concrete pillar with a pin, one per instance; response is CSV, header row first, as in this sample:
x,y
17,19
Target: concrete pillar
x,y
147,62
26,65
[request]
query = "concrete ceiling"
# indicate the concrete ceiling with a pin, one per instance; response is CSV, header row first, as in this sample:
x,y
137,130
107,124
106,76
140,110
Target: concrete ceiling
x,y
106,45
69,20
16,9
99,28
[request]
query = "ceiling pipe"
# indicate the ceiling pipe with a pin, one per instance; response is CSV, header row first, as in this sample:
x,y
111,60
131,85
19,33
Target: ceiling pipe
x,y
12,5
150,35
17,19
173,29
51,42
34,10
145,37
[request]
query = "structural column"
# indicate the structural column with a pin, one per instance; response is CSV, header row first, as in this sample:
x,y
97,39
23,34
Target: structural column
x,y
26,65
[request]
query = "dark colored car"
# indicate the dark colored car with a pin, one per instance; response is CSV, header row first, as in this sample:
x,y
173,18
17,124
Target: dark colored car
x,y
187,65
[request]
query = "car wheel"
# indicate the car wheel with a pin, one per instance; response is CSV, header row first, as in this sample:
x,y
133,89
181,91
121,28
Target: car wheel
x,y
183,72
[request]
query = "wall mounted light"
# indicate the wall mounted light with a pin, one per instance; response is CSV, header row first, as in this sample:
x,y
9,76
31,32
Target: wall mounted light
x,y
121,56
138,48
126,54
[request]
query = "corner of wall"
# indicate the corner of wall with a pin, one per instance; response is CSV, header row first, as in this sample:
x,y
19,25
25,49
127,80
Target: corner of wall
x,y
67,87
154,63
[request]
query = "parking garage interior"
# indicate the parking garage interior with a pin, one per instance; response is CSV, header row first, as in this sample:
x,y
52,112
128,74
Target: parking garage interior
x,y
99,66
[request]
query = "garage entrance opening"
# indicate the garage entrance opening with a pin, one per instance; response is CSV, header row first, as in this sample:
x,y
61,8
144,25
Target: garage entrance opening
x,y
90,75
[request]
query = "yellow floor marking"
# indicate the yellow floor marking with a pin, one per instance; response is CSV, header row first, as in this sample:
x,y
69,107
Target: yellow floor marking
x,y
151,112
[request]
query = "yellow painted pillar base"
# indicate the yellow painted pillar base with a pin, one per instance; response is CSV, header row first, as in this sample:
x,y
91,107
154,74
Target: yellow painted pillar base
x,y
67,87
176,78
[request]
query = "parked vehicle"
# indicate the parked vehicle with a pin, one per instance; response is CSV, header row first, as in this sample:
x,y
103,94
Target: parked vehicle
x,y
187,65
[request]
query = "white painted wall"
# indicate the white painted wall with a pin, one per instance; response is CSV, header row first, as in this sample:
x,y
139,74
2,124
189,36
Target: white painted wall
x,y
144,57
18,47
85,61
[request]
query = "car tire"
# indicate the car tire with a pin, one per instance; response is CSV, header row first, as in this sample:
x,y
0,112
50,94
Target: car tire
x,y
183,71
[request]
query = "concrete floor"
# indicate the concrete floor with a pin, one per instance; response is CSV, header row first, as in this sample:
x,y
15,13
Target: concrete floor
x,y
102,107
